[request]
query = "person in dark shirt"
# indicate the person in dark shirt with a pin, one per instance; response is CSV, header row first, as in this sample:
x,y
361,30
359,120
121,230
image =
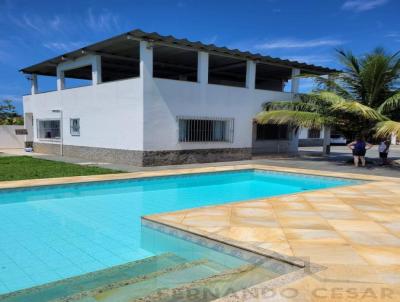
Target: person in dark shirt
x,y
359,148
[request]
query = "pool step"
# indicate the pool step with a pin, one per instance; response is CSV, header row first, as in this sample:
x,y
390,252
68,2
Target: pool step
x,y
87,283
197,276
212,288
183,273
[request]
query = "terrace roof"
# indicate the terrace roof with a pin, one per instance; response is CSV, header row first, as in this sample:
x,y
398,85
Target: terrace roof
x,y
121,46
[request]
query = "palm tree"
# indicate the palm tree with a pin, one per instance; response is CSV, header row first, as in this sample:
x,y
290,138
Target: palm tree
x,y
319,109
370,79
360,98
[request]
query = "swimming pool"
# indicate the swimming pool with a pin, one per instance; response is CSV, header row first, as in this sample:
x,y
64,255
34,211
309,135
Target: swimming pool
x,y
55,232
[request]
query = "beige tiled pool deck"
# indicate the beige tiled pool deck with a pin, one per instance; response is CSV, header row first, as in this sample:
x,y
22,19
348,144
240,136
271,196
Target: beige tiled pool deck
x,y
353,232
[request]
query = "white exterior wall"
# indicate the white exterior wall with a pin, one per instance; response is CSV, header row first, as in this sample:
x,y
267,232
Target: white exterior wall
x,y
111,114
8,138
168,99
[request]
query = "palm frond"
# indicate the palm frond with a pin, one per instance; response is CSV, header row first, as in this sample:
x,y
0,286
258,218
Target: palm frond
x,y
337,103
294,118
329,97
391,103
387,128
333,84
358,109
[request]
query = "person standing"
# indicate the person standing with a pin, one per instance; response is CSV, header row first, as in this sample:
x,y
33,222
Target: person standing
x,y
383,151
359,147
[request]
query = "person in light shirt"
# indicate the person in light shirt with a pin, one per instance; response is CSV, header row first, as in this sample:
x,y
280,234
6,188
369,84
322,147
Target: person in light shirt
x,y
383,151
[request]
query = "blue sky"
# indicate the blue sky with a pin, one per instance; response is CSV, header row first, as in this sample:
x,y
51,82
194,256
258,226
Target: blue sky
x,y
307,30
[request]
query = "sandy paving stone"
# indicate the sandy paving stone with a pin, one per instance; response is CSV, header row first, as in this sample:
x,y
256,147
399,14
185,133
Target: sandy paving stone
x,y
381,255
291,205
314,236
332,206
281,213
214,221
351,215
327,253
252,212
356,225
304,223
256,221
279,247
254,234
384,216
371,238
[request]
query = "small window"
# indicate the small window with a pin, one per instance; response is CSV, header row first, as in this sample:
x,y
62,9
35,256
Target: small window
x,y
205,130
272,132
314,133
48,129
75,127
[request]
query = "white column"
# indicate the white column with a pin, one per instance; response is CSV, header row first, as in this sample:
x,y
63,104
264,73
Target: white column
x,y
250,74
146,60
202,67
393,139
326,147
96,70
60,78
295,80
34,84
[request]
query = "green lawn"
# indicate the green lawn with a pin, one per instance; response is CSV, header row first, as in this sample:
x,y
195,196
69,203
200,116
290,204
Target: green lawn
x,y
25,167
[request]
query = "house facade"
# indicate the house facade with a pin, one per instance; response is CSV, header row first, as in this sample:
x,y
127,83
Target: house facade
x,y
157,100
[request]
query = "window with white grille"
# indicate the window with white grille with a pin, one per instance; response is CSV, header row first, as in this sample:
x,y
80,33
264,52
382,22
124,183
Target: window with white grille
x,y
48,129
193,129
75,128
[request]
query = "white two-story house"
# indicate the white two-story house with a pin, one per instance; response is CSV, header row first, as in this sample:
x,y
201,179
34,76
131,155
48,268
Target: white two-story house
x,y
157,100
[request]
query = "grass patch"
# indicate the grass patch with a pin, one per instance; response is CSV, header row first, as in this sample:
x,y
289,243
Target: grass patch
x,y
26,167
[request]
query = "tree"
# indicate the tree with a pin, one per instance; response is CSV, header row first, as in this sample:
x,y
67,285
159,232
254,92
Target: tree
x,y
319,109
370,79
361,99
8,114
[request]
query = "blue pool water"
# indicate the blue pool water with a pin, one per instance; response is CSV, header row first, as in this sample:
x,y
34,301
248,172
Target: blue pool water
x,y
55,232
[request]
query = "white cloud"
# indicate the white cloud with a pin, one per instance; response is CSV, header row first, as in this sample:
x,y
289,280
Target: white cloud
x,y
102,22
393,34
310,59
211,40
63,46
295,43
32,22
362,5
55,23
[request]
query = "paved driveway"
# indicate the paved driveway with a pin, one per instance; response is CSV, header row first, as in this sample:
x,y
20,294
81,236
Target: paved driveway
x,y
343,151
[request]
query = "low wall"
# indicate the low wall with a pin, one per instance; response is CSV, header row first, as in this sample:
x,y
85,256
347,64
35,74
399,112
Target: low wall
x,y
92,153
8,138
176,157
311,142
146,158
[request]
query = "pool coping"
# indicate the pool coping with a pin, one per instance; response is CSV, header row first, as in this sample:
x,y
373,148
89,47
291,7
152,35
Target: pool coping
x,y
148,174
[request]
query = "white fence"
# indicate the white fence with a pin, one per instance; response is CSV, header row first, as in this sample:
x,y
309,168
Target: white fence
x,y
8,138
